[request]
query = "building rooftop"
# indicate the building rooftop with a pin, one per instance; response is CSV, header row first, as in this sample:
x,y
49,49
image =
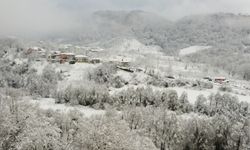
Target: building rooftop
x,y
67,54
81,56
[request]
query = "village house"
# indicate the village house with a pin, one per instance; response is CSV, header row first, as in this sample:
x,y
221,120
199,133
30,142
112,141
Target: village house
x,y
220,80
62,57
95,61
82,58
67,57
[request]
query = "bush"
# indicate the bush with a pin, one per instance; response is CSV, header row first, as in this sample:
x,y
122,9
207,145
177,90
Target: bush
x,y
103,74
147,97
180,83
204,84
136,97
159,82
43,85
13,75
201,105
225,88
118,82
93,95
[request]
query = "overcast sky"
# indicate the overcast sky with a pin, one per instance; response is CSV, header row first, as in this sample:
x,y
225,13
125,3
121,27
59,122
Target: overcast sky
x,y
48,16
172,9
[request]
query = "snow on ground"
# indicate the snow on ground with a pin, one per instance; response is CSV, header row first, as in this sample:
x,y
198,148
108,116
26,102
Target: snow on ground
x,y
127,76
48,103
192,49
19,61
75,74
152,57
191,116
132,49
114,91
193,94
80,70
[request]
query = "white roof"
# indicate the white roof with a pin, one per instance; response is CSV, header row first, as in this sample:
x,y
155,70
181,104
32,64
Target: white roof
x,y
96,49
35,48
221,78
67,53
38,49
81,56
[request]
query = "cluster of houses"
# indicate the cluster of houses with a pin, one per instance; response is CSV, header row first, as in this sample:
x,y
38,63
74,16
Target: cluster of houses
x,y
39,54
71,58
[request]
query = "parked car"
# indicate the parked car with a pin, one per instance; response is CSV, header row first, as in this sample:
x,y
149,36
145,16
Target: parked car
x,y
208,78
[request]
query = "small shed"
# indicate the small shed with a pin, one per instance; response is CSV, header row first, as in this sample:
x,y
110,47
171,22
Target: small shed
x,y
207,78
219,80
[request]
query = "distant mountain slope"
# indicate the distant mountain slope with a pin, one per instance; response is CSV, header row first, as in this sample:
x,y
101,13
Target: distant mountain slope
x,y
136,19
213,29
228,34
216,29
117,24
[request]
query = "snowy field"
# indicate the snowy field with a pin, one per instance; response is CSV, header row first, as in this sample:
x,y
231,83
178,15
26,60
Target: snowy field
x,y
192,49
78,71
74,74
49,104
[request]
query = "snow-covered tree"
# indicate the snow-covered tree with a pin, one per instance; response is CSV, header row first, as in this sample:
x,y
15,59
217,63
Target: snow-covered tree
x,y
201,105
184,104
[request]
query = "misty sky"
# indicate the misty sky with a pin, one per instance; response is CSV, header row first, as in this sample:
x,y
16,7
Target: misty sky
x,y
26,17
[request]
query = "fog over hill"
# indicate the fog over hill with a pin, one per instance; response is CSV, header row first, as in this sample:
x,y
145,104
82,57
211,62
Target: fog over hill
x,y
215,29
225,33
